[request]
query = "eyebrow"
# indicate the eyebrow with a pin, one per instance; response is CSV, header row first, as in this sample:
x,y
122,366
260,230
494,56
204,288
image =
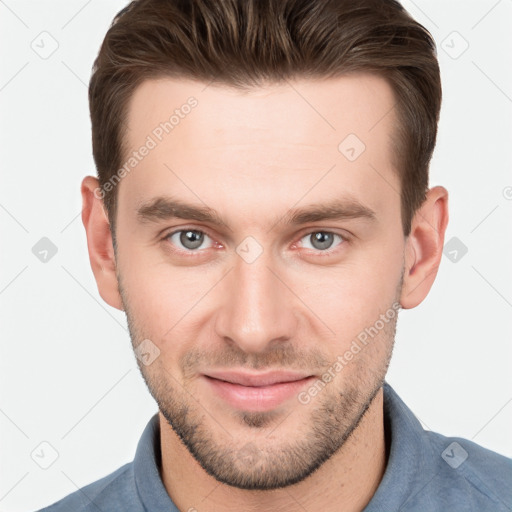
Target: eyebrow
x,y
166,208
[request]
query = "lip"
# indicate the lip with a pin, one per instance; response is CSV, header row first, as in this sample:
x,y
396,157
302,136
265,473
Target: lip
x,y
256,392
257,379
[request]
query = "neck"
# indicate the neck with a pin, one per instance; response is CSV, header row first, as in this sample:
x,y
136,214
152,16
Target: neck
x,y
347,481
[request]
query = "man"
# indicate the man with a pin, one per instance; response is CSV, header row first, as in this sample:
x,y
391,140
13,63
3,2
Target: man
x,y
262,213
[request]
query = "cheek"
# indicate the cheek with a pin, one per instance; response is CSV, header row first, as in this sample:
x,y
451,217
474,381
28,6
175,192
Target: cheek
x,y
168,301
163,300
352,296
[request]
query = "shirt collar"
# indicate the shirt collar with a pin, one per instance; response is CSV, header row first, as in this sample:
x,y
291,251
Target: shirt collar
x,y
146,466
410,462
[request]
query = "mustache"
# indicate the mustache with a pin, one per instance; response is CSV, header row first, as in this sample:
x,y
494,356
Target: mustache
x,y
279,357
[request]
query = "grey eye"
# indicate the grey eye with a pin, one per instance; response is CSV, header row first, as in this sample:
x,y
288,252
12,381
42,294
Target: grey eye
x,y
321,240
190,239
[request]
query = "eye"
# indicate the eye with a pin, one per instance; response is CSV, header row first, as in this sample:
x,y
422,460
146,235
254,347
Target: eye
x,y
189,239
320,240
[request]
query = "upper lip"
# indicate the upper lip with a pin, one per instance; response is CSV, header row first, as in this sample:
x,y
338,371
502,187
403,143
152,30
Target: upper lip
x,y
257,379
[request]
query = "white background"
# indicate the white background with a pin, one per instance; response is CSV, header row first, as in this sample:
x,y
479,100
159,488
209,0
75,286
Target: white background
x,y
67,372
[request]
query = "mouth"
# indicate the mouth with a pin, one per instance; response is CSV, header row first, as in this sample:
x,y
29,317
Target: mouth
x,y
256,392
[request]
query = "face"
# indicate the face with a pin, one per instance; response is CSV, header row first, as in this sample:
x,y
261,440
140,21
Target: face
x,y
255,235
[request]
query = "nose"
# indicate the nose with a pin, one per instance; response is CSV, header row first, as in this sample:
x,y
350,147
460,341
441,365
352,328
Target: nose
x,y
256,310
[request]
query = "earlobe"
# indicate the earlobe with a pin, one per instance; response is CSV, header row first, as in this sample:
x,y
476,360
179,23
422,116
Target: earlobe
x,y
99,242
424,247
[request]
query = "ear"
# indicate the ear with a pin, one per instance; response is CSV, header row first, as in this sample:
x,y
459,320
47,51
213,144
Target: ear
x,y
99,242
424,247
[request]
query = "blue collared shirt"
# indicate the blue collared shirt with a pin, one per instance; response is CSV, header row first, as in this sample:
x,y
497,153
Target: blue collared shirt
x,y
425,472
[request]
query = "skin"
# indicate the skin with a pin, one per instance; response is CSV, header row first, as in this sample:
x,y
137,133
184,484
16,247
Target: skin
x,y
253,157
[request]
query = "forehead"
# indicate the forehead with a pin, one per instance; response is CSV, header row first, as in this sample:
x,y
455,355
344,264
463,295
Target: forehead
x,y
308,139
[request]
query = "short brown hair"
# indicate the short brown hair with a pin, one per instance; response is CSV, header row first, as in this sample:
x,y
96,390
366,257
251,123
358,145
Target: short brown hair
x,y
246,43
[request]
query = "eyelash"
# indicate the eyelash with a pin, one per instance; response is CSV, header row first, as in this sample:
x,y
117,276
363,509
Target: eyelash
x,y
199,252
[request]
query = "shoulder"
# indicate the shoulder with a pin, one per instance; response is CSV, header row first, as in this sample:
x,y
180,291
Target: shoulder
x,y
116,491
466,472
428,471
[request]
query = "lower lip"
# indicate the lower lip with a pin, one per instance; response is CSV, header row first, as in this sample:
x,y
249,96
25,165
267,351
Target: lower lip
x,y
254,398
